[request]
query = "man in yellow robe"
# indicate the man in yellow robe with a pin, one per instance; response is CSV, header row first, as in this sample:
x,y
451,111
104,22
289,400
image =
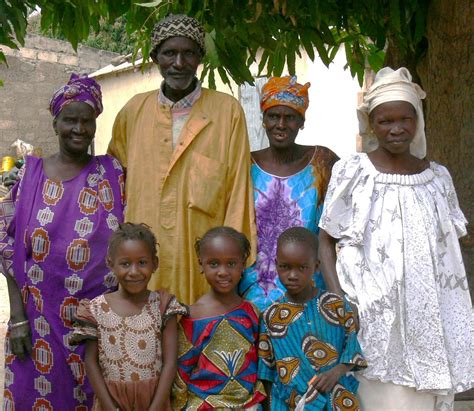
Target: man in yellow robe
x,y
186,153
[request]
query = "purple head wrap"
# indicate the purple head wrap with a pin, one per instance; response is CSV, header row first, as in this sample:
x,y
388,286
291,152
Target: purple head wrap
x,y
83,89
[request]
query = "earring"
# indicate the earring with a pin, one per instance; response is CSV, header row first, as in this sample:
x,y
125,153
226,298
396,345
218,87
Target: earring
x,y
302,128
263,125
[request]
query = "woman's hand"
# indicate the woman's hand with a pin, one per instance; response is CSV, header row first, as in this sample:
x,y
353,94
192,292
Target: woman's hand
x,y
20,340
327,257
20,331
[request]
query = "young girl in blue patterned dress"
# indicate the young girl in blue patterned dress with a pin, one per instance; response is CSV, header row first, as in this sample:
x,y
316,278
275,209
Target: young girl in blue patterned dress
x,y
308,341
217,353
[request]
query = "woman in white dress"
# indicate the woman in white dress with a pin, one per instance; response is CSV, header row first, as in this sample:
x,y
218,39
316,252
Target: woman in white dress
x,y
396,219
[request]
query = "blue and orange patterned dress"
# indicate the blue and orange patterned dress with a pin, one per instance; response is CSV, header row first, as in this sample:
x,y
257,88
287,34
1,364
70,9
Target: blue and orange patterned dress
x,y
298,341
217,361
281,203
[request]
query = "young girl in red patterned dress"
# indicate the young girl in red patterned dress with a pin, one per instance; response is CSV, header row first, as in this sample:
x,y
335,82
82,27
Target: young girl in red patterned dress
x,y
217,359
130,334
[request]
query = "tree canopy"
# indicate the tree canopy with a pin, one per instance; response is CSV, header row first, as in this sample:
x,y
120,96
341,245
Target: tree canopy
x,y
240,33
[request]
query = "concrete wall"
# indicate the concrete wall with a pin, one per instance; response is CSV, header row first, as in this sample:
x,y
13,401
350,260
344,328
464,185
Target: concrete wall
x,y
34,72
117,89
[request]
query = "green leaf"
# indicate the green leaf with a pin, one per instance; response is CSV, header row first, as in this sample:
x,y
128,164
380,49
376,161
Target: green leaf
x,y
46,20
263,61
318,42
279,63
19,25
291,56
8,42
291,62
212,79
204,72
211,52
269,66
152,4
360,76
327,35
306,40
375,58
3,59
333,52
223,76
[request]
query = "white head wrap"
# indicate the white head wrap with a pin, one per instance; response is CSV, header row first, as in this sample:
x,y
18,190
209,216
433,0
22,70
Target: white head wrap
x,y
394,85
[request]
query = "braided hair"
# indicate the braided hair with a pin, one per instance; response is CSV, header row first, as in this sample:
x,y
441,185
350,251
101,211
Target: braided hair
x,y
224,231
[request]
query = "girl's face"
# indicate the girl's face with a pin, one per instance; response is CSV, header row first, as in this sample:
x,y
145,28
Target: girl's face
x,y
133,264
296,263
394,125
222,262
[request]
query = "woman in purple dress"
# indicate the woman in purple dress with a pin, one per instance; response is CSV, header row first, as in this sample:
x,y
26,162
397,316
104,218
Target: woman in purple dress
x,y
54,227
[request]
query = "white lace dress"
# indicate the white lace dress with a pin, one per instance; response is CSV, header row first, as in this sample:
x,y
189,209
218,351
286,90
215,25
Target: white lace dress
x,y
400,262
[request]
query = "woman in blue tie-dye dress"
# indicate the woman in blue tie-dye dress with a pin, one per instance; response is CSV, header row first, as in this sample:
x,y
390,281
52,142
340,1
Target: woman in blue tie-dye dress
x,y
290,182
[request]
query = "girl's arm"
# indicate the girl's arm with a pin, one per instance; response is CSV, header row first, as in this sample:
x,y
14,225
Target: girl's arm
x,y
20,335
327,257
326,381
95,377
168,371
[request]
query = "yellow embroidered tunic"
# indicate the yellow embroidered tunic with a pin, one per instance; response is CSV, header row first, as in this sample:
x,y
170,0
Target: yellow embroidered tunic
x,y
204,182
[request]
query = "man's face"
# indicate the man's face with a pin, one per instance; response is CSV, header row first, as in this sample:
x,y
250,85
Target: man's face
x,y
178,59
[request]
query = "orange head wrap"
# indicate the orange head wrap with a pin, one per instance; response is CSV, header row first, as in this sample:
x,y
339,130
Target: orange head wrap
x,y
285,91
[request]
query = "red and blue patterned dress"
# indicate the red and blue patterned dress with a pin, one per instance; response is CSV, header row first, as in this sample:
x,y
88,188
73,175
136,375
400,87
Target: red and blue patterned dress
x,y
217,361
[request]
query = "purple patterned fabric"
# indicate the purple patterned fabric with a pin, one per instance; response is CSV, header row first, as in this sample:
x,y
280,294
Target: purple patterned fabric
x,y
83,89
276,212
53,240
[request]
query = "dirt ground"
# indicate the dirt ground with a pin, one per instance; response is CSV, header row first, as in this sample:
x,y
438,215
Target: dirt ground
x,y
5,312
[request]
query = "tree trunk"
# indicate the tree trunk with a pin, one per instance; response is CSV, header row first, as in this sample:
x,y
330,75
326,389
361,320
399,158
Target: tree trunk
x,y
396,58
447,75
